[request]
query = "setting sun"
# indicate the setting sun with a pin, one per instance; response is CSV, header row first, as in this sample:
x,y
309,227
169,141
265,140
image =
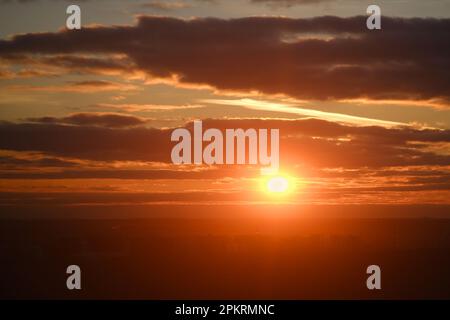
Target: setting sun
x,y
278,185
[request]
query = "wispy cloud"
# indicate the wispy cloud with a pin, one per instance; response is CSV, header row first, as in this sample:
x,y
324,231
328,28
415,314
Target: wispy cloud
x,y
148,107
292,109
110,120
82,86
166,5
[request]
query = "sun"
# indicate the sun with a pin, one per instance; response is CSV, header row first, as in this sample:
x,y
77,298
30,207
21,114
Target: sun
x,y
278,185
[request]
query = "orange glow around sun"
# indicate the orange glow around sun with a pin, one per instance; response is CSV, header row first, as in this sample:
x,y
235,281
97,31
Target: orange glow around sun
x,y
278,185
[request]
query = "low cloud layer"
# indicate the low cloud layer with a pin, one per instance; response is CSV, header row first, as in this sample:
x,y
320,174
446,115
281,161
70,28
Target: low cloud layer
x,y
112,120
314,143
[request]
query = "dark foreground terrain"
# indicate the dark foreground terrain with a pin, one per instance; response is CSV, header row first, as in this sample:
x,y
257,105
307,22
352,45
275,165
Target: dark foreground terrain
x,y
226,253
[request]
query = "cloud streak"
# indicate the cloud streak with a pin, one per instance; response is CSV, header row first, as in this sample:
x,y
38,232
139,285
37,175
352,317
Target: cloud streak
x,y
109,120
292,109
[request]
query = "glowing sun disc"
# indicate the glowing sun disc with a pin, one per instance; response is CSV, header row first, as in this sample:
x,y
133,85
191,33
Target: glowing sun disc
x,y
278,185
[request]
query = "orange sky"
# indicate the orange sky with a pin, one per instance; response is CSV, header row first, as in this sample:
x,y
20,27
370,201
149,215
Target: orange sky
x,y
90,112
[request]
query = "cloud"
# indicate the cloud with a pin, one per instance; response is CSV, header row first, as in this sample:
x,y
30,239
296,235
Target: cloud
x,y
110,120
292,109
18,65
126,174
277,3
87,142
322,58
288,3
92,86
165,5
11,162
308,142
132,107
332,161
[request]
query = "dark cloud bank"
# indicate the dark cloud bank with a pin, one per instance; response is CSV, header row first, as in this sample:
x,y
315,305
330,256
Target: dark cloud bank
x,y
312,142
317,58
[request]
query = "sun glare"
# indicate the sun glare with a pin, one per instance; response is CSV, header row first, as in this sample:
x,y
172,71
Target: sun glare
x,y
278,185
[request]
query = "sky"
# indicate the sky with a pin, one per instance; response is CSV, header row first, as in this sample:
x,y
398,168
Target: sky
x,y
364,115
